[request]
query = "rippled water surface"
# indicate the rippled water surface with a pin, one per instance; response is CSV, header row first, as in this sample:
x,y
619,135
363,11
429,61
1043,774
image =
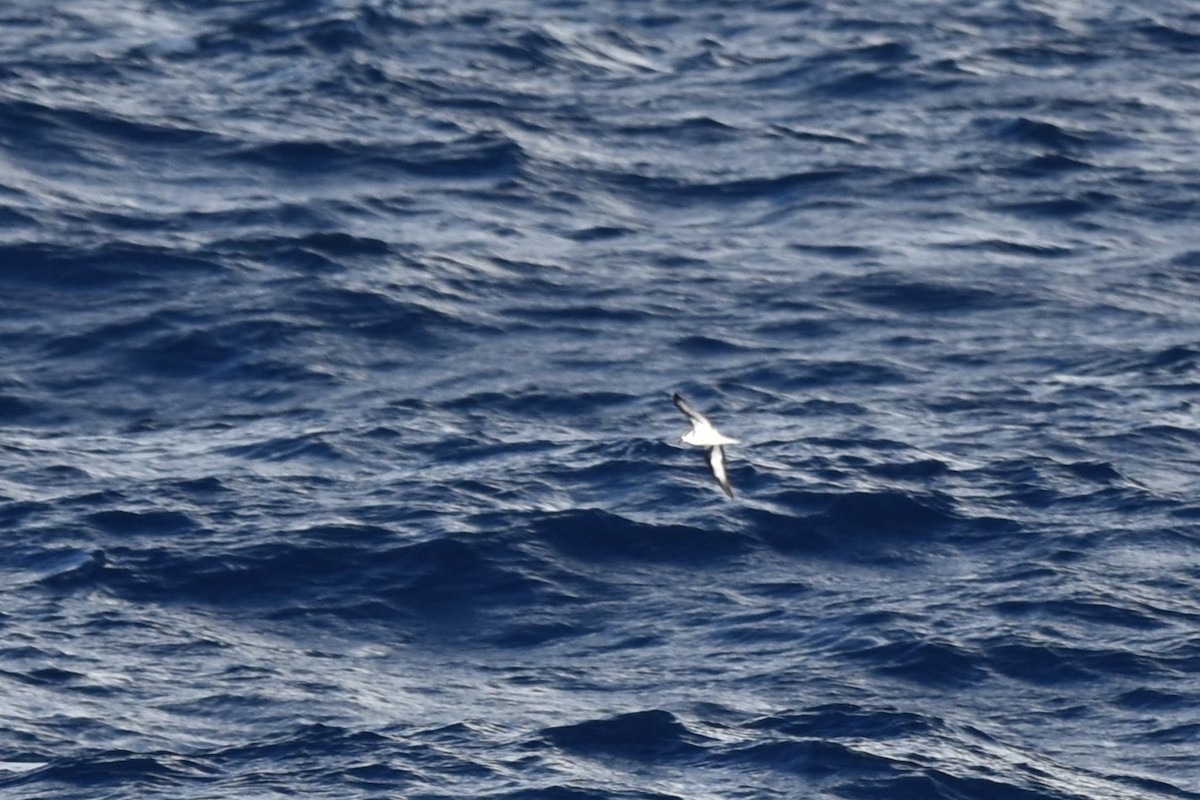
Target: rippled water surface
x,y
337,341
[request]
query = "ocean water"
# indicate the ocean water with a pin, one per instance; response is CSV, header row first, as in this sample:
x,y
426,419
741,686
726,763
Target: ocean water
x,y
337,341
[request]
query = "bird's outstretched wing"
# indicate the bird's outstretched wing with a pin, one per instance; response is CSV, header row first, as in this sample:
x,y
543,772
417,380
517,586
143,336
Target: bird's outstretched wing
x,y
689,411
716,460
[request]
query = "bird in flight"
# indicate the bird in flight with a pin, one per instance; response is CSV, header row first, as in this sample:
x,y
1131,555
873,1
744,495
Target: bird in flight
x,y
703,434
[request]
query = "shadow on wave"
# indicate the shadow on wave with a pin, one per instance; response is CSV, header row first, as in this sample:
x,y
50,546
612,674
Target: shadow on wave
x,y
596,535
474,157
62,270
839,747
858,522
638,736
352,573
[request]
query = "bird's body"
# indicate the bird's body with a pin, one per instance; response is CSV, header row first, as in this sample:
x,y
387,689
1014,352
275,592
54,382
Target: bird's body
x,y
703,434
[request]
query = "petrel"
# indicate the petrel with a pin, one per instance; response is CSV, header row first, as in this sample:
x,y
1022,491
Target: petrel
x,y
703,434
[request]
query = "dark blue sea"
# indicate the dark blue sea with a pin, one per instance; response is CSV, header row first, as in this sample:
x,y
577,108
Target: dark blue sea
x,y
337,450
